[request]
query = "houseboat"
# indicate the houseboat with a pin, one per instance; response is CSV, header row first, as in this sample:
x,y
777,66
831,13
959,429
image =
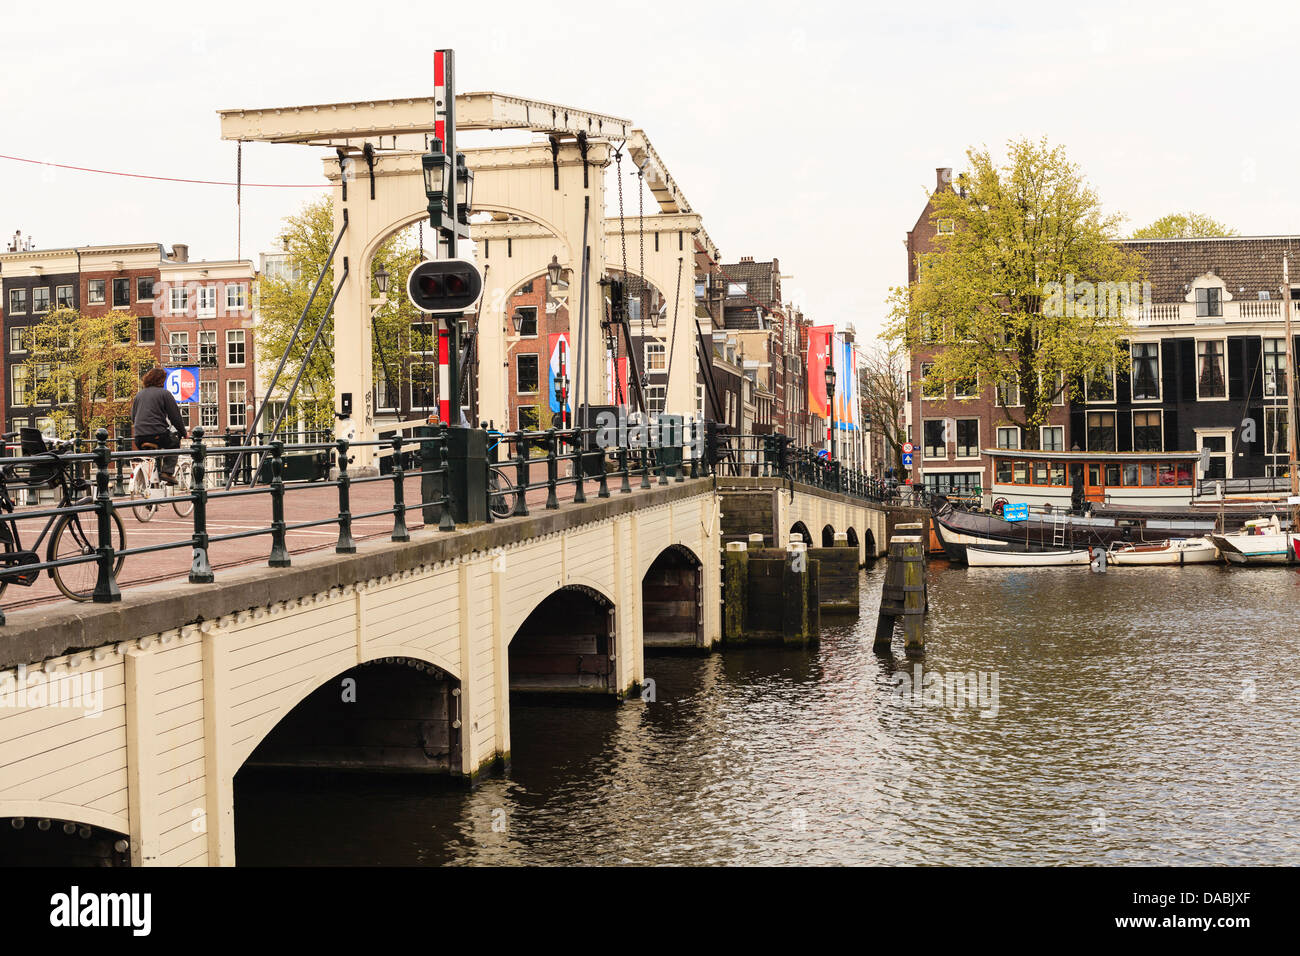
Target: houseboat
x,y
1039,478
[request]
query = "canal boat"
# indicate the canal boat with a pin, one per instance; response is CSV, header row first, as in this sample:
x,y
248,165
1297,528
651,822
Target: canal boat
x,y
977,557
1261,541
1161,479
1175,551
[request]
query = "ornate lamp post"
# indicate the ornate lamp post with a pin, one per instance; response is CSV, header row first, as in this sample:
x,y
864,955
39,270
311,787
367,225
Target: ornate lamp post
x,y
830,400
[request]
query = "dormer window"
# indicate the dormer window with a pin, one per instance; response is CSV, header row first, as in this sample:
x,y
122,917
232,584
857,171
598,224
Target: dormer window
x,y
1209,302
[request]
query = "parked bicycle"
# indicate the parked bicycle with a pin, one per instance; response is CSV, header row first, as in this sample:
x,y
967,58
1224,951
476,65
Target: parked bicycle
x,y
501,490
70,535
144,484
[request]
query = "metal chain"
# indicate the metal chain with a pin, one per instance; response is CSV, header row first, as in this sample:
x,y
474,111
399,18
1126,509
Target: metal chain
x,y
640,281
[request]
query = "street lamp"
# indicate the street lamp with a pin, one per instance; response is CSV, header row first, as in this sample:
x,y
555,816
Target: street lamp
x,y
464,189
830,399
518,320
437,173
554,271
381,279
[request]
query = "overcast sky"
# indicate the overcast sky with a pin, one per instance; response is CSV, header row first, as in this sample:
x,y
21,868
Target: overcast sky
x,y
806,131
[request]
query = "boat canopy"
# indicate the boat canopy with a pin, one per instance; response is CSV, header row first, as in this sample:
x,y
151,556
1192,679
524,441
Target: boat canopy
x,y
1085,456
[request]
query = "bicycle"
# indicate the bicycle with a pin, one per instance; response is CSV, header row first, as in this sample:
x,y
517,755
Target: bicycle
x,y
144,482
501,490
70,534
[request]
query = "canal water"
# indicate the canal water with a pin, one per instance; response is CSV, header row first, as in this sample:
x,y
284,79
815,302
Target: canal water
x,y
1143,716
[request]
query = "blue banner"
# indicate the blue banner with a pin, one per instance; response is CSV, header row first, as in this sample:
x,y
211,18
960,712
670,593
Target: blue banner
x,y
1018,512
183,383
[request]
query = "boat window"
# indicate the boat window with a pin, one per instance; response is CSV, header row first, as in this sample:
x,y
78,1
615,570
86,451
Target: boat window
x,y
1184,473
1165,475
1004,471
1040,472
1058,474
1148,475
1094,474
1112,475
1022,473
1131,475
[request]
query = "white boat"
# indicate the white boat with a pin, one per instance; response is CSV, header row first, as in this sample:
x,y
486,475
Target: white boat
x,y
1175,551
987,558
1261,541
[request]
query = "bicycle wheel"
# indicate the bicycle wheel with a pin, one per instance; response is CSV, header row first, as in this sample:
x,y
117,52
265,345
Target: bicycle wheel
x,y
6,545
78,534
501,494
139,489
184,485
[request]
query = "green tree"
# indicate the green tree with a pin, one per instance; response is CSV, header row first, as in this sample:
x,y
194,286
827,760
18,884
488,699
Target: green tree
x,y
308,236
87,369
1029,287
1184,225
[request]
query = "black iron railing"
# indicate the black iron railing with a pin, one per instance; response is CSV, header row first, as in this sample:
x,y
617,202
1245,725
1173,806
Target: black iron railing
x,y
776,456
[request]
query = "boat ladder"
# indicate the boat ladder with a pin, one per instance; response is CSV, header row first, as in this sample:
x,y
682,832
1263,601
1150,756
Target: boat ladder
x,y
1058,530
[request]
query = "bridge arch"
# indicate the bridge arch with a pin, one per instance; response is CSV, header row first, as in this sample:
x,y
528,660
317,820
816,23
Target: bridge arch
x,y
566,644
36,833
802,529
672,600
828,537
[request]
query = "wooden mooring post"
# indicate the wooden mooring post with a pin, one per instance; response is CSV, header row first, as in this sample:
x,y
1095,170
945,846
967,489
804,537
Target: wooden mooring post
x,y
904,595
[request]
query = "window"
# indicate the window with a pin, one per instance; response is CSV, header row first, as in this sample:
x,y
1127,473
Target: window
x,y
931,389
1209,302
40,299
1146,432
968,437
180,348
1008,437
1209,370
144,289
17,301
236,297
208,404
1052,438
656,358
655,396
737,288
1146,371
1099,385
700,289
1275,437
953,483
527,321
936,439
63,297
95,292
1217,446
1101,431
178,300
1008,392
207,301
16,340
234,348
526,373
18,386
966,388
530,418
208,348
236,416
145,328
1057,389
1002,473
1274,367
945,227
121,293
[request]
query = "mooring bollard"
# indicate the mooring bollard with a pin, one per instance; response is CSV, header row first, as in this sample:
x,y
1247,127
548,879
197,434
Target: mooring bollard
x,y
903,595
735,585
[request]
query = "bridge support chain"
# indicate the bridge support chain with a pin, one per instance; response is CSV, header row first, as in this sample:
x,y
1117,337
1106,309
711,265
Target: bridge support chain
x,y
106,589
200,568
279,549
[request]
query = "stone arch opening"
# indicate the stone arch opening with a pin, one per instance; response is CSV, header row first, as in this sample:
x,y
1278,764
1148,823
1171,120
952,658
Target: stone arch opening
x,y
800,528
566,645
46,841
828,537
869,544
852,534
672,600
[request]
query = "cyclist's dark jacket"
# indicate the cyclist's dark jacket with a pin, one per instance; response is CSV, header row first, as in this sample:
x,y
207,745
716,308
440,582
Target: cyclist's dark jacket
x,y
152,409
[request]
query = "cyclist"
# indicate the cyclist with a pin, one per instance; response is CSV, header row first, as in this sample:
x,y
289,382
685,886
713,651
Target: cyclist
x,y
151,411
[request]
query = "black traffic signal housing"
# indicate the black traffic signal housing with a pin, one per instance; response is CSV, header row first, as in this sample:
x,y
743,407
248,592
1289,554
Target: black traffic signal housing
x,y
444,285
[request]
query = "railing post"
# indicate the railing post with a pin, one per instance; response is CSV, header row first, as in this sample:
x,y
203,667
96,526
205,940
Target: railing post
x,y
345,543
661,462
603,486
579,492
551,470
625,486
680,474
200,569
279,550
645,465
521,476
445,521
399,492
106,589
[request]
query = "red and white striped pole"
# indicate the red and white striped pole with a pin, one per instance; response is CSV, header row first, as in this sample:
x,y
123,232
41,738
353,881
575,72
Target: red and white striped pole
x,y
444,379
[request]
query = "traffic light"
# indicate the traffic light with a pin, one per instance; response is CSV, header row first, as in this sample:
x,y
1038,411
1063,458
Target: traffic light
x,y
444,285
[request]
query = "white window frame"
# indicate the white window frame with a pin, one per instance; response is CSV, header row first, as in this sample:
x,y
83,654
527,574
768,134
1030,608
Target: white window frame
x,y
237,336
232,404
153,289
1042,433
941,223
25,299
930,398
1279,358
1276,410
925,448
207,345
537,358
91,297
737,290
236,297
1087,381
178,299
1015,385
1132,424
113,287
958,396
173,340
1008,428
1226,435
656,395
957,455
207,302
16,343
1160,387
49,298
1223,356
661,352
209,404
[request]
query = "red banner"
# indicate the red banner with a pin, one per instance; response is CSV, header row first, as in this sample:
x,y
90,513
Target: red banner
x,y
819,337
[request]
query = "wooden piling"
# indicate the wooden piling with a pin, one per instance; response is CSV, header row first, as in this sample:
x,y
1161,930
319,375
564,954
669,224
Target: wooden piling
x,y
903,595
735,585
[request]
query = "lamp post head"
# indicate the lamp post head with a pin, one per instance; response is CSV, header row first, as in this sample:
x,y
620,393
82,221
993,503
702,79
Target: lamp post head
x,y
554,270
381,279
437,173
464,188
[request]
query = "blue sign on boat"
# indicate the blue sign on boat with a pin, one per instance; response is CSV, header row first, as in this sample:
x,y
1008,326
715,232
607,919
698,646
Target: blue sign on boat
x,y
1018,512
